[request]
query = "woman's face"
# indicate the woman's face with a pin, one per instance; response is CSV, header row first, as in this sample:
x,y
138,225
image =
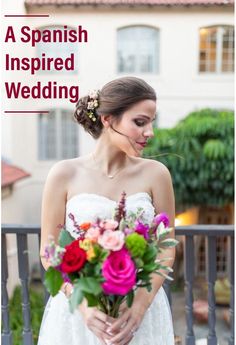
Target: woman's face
x,y
135,127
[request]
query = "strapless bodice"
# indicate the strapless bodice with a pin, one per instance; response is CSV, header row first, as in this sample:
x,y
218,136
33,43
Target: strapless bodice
x,y
87,207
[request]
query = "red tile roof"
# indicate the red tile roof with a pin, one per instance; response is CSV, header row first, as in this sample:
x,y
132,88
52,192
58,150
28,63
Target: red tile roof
x,y
128,2
11,174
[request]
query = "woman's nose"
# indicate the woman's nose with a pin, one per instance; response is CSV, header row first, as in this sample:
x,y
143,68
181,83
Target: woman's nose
x,y
149,132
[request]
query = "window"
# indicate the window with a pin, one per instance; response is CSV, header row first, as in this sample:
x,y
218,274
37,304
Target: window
x,y
57,134
216,49
57,49
138,50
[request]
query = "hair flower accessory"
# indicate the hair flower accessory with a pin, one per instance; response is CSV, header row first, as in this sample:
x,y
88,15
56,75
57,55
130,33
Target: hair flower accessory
x,y
92,104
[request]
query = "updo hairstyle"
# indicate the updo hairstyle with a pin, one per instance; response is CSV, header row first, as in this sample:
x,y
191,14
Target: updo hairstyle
x,y
115,98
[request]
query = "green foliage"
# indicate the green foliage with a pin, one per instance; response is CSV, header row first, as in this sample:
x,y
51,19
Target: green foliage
x,y
130,298
16,319
53,281
65,238
76,297
88,287
199,154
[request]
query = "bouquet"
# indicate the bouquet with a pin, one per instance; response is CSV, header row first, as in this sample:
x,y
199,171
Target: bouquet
x,y
109,259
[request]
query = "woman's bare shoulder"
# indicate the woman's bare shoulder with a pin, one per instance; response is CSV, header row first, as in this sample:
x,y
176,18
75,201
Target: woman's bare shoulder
x,y
152,167
65,169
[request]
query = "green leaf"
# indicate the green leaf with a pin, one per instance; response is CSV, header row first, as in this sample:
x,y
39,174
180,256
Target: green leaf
x,y
138,262
164,233
150,267
53,281
144,284
65,238
150,254
143,275
169,242
214,149
76,297
104,254
90,285
73,276
92,300
130,298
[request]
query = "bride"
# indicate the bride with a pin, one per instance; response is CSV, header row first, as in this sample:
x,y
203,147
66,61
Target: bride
x,y
120,117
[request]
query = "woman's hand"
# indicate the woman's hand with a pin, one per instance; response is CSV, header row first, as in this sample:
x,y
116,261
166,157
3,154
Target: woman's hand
x,y
122,329
97,322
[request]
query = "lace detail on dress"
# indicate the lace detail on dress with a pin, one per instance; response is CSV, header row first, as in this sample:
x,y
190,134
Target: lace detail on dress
x,y
88,207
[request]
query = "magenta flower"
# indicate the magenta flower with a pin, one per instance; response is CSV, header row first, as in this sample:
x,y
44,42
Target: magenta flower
x,y
162,218
120,273
142,229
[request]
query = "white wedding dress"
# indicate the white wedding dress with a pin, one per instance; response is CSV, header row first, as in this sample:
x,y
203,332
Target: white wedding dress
x,y
60,327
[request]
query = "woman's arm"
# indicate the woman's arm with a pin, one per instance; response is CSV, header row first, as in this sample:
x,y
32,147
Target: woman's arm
x,y
53,215
163,201
53,206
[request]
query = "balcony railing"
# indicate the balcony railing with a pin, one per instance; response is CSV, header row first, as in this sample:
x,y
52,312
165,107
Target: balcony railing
x,y
210,232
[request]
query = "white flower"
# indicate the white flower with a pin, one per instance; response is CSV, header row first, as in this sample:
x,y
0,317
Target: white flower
x,y
93,94
90,105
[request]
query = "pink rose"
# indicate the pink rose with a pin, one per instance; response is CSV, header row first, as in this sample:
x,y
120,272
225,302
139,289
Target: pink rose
x,y
120,273
112,240
108,224
93,234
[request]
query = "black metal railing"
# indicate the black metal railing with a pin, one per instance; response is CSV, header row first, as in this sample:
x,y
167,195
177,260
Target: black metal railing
x,y
210,232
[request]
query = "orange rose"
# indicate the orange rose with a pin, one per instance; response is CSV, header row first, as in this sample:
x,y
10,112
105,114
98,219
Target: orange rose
x,y
85,226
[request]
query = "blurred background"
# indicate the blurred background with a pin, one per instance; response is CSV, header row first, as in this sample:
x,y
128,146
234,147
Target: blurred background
x,y
185,50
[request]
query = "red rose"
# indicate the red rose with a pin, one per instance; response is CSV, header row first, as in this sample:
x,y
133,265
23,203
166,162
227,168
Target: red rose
x,y
74,258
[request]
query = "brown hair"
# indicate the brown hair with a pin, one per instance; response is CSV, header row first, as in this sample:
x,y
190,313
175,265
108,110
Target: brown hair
x,y
115,98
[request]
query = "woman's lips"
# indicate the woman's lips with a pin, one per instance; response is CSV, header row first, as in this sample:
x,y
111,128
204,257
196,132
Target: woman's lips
x,y
142,144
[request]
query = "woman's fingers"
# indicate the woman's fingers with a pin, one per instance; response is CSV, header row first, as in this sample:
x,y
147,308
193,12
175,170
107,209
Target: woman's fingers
x,y
98,324
108,320
118,323
125,334
103,336
127,341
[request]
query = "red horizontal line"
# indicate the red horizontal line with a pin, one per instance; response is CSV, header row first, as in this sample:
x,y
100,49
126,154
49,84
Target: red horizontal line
x,y
26,15
25,111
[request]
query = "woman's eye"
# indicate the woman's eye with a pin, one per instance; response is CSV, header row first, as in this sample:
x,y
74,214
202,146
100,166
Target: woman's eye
x,y
139,123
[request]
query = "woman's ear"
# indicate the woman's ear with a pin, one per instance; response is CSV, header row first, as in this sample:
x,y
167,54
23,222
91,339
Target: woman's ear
x,y
106,120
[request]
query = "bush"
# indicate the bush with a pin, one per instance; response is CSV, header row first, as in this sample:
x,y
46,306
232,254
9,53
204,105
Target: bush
x,y
16,318
199,154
